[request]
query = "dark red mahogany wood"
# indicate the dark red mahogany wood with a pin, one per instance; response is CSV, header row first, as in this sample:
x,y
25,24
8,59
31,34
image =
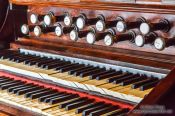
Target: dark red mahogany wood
x,y
162,94
94,52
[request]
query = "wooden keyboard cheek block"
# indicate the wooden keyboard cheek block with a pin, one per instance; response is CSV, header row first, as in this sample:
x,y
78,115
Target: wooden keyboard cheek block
x,y
96,98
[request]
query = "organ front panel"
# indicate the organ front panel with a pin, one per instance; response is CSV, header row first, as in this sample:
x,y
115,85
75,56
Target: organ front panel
x,y
89,58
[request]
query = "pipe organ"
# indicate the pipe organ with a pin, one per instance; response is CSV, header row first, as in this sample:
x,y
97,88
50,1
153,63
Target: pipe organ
x,y
89,58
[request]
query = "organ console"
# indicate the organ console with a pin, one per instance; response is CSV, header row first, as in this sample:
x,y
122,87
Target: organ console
x,y
88,58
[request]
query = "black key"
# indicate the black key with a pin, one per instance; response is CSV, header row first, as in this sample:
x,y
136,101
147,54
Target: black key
x,y
56,65
80,110
41,99
103,111
78,104
47,100
9,82
93,76
85,70
71,102
10,89
14,58
19,58
119,112
64,98
33,59
88,111
22,88
3,77
71,72
110,80
10,85
117,81
64,66
37,95
74,66
140,83
39,63
92,72
5,80
23,58
23,91
28,94
108,75
133,80
54,61
149,85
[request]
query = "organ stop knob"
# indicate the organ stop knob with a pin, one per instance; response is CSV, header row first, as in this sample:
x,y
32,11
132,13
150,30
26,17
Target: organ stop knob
x,y
140,40
83,21
50,18
75,34
35,18
39,29
25,29
59,30
162,25
93,36
102,24
109,38
160,43
69,20
123,26
112,38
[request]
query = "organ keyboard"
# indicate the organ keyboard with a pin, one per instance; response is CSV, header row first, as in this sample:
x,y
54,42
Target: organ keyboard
x,y
88,58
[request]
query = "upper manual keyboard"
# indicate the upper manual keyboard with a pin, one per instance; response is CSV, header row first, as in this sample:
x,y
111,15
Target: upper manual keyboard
x,y
88,77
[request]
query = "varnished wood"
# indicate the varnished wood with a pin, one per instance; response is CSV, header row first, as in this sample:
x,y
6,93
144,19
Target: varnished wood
x,y
93,52
13,111
128,16
161,95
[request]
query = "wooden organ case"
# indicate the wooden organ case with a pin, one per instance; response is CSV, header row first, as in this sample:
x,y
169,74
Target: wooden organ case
x,y
89,58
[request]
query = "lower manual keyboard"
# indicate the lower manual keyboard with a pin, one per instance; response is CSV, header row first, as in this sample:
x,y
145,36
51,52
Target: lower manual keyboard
x,y
117,83
50,102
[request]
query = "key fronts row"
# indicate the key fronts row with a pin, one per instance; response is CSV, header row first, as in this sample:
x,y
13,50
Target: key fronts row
x,y
110,36
101,23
